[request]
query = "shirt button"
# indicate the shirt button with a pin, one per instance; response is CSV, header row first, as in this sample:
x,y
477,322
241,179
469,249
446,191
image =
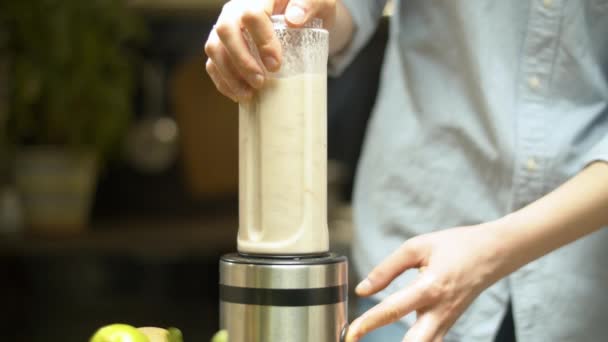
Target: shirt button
x,y
534,82
548,3
531,164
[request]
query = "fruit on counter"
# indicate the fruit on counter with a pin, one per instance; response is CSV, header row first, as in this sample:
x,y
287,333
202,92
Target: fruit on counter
x,y
127,333
220,336
119,333
162,335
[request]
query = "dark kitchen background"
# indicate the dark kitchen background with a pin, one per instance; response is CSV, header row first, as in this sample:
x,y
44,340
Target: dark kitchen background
x,y
130,230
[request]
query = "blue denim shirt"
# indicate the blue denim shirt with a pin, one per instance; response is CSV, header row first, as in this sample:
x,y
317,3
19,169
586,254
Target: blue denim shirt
x,y
485,106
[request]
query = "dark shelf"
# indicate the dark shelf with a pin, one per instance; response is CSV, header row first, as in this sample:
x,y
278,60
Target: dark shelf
x,y
136,237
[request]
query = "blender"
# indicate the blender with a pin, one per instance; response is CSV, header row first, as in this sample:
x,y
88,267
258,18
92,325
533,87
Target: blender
x,y
284,285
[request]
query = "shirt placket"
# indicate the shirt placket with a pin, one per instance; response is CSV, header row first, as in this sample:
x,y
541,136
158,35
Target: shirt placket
x,y
538,55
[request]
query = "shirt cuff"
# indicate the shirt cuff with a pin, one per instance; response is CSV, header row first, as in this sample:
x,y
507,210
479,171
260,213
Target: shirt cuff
x,y
365,15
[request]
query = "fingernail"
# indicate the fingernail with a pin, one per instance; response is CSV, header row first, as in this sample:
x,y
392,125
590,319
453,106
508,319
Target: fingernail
x,y
256,80
271,63
295,15
364,286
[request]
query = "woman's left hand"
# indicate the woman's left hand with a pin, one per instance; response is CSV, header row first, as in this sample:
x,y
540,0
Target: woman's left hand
x,y
456,265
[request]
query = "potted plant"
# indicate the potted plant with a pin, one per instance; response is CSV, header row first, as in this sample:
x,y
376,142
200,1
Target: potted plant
x,y
70,88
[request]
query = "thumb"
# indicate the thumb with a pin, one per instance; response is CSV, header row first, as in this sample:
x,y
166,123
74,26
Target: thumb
x,y
299,12
408,255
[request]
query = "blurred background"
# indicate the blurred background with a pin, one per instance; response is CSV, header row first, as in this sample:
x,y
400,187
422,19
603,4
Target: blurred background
x,y
118,165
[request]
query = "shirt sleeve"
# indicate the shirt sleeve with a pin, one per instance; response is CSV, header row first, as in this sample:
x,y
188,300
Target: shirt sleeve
x,y
599,152
366,15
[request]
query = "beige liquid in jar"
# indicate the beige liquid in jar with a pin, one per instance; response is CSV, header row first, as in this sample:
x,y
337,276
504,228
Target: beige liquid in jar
x,y
283,168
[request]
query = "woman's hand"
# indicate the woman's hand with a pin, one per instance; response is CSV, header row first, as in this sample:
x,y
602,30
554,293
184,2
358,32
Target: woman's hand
x,y
232,67
456,265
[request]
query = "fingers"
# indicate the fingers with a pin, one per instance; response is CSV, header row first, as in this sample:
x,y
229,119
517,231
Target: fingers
x,y
229,31
219,82
222,71
258,24
234,68
299,12
417,295
426,329
409,255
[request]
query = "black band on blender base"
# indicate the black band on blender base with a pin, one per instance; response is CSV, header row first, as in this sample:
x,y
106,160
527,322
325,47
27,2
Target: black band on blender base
x,y
283,297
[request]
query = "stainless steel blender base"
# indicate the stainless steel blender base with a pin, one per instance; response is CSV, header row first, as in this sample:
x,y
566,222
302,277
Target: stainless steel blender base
x,y
283,300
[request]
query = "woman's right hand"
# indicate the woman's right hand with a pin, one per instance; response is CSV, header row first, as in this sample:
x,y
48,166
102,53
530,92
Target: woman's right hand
x,y
230,64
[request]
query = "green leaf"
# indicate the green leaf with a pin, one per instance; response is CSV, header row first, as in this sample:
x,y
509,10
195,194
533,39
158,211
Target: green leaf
x,y
71,71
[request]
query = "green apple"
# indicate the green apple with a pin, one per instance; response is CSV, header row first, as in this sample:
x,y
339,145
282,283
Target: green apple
x,y
220,336
155,334
175,335
119,333
162,335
